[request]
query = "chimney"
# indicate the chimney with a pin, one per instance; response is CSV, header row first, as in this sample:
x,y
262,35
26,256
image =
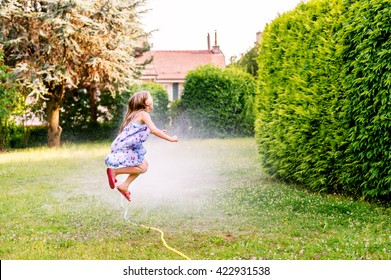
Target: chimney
x,y
216,48
258,37
208,42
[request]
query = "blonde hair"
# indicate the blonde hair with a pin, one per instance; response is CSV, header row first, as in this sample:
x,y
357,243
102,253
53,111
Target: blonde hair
x,y
136,103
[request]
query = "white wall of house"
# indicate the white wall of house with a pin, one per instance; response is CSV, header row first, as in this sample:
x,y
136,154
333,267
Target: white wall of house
x,y
174,89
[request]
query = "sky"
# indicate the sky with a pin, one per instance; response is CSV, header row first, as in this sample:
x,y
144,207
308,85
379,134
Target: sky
x,y
184,24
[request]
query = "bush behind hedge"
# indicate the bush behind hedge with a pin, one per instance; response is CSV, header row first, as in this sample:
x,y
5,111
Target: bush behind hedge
x,y
219,102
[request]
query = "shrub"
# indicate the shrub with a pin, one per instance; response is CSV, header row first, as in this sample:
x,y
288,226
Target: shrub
x,y
179,120
75,110
10,101
219,102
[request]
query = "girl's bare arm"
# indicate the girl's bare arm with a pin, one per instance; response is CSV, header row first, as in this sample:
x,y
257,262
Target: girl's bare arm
x,y
146,118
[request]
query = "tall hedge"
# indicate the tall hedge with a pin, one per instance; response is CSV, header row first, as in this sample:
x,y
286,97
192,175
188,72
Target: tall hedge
x,y
299,130
219,102
324,102
367,65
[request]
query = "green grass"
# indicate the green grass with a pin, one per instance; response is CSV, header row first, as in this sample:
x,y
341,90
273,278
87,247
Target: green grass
x,y
210,197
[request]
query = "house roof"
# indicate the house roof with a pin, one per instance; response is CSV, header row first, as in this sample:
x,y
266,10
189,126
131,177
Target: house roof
x,y
174,65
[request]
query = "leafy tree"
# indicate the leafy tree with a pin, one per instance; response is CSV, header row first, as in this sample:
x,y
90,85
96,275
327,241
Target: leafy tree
x,y
56,47
248,62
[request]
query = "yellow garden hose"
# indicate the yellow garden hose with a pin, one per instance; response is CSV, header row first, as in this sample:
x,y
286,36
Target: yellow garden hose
x,y
158,230
164,242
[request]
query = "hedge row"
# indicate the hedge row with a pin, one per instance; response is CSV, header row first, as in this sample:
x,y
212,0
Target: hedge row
x,y
324,95
367,78
219,102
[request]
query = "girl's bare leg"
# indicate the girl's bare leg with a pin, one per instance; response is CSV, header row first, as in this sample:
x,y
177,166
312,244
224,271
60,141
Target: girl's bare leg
x,y
125,185
133,171
139,169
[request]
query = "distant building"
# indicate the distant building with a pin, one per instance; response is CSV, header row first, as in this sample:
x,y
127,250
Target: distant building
x,y
169,68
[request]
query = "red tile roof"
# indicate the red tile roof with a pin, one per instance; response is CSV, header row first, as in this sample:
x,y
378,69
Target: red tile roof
x,y
174,65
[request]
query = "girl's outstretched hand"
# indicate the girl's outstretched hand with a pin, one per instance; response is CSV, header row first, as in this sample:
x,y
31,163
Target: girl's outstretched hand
x,y
174,138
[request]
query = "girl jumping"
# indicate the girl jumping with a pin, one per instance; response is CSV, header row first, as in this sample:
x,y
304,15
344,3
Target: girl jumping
x,y
127,150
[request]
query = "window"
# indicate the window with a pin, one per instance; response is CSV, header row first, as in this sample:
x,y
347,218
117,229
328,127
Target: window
x,y
175,91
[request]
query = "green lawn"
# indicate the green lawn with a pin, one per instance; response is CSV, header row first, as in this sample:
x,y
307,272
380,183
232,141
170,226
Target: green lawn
x,y
210,197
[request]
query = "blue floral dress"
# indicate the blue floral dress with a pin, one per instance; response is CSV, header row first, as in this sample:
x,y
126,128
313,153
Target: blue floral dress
x,y
127,149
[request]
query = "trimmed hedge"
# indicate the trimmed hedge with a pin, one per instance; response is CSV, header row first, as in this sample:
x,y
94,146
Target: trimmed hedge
x,y
299,132
367,64
324,102
219,102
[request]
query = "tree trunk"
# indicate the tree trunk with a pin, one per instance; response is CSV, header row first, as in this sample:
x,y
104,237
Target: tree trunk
x,y
54,128
3,135
94,106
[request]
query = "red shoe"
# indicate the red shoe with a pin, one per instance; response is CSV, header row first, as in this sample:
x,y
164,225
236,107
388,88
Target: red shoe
x,y
126,194
110,176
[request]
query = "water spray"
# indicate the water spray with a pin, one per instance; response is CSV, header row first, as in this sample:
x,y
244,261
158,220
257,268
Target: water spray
x,y
126,217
